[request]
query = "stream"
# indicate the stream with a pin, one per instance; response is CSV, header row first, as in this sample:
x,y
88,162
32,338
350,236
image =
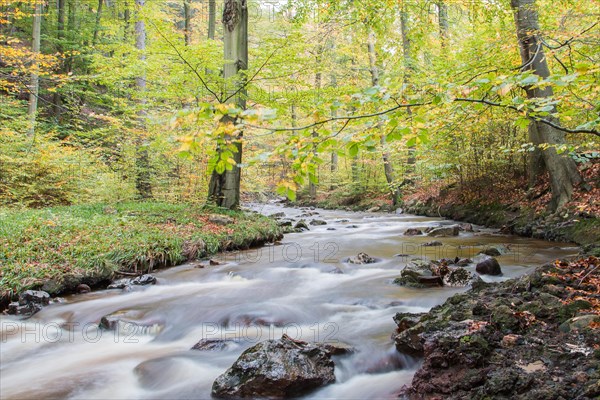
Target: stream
x,y
301,287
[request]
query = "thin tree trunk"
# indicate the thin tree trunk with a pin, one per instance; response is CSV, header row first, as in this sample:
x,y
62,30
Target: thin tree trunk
x,y
127,21
60,34
408,69
561,168
34,86
187,22
98,18
224,189
143,182
212,17
312,186
443,23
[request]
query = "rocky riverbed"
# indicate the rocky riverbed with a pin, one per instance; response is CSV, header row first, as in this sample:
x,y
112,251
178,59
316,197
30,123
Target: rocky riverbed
x,y
536,337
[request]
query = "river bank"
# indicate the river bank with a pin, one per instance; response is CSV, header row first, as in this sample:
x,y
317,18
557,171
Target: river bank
x,y
57,249
535,337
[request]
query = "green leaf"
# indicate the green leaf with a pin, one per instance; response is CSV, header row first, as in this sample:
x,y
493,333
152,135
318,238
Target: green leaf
x,y
353,149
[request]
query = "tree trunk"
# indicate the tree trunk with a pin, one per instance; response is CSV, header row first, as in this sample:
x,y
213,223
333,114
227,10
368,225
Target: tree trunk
x,y
408,69
561,168
187,22
60,34
143,175
126,20
34,86
443,23
312,186
212,17
224,189
98,18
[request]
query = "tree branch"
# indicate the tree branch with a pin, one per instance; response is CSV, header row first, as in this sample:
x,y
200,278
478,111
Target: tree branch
x,y
186,62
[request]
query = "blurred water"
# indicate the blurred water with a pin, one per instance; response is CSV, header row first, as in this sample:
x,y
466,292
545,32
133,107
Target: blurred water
x,y
300,287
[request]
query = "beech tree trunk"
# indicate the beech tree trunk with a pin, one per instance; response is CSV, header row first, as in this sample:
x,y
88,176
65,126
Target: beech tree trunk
x,y
561,168
34,85
224,189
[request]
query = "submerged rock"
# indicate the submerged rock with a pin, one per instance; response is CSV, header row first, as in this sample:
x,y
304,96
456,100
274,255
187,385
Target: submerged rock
x,y
317,222
433,244
489,266
413,232
125,283
276,368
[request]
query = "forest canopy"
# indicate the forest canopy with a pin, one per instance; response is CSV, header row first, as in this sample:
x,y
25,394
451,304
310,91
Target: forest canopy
x,y
189,100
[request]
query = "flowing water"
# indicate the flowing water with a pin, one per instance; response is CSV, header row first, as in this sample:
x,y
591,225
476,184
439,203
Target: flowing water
x,y
301,286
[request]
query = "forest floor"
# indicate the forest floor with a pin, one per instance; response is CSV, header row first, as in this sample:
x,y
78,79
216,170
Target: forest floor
x,y
56,249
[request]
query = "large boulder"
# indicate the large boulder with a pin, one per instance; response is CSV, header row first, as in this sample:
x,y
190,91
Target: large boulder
x,y
277,369
451,230
489,266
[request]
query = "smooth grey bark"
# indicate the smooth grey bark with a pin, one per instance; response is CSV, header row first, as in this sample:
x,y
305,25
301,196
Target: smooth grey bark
x,y
143,182
561,168
98,19
224,189
212,18
187,22
34,85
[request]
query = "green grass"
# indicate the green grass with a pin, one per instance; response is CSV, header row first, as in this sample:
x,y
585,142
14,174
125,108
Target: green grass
x,y
59,247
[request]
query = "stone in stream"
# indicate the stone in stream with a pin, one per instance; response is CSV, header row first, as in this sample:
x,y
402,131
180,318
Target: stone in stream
x,y
277,369
491,251
362,258
277,215
83,288
301,226
374,209
131,322
451,230
418,275
125,283
432,244
413,232
30,302
489,266
318,222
